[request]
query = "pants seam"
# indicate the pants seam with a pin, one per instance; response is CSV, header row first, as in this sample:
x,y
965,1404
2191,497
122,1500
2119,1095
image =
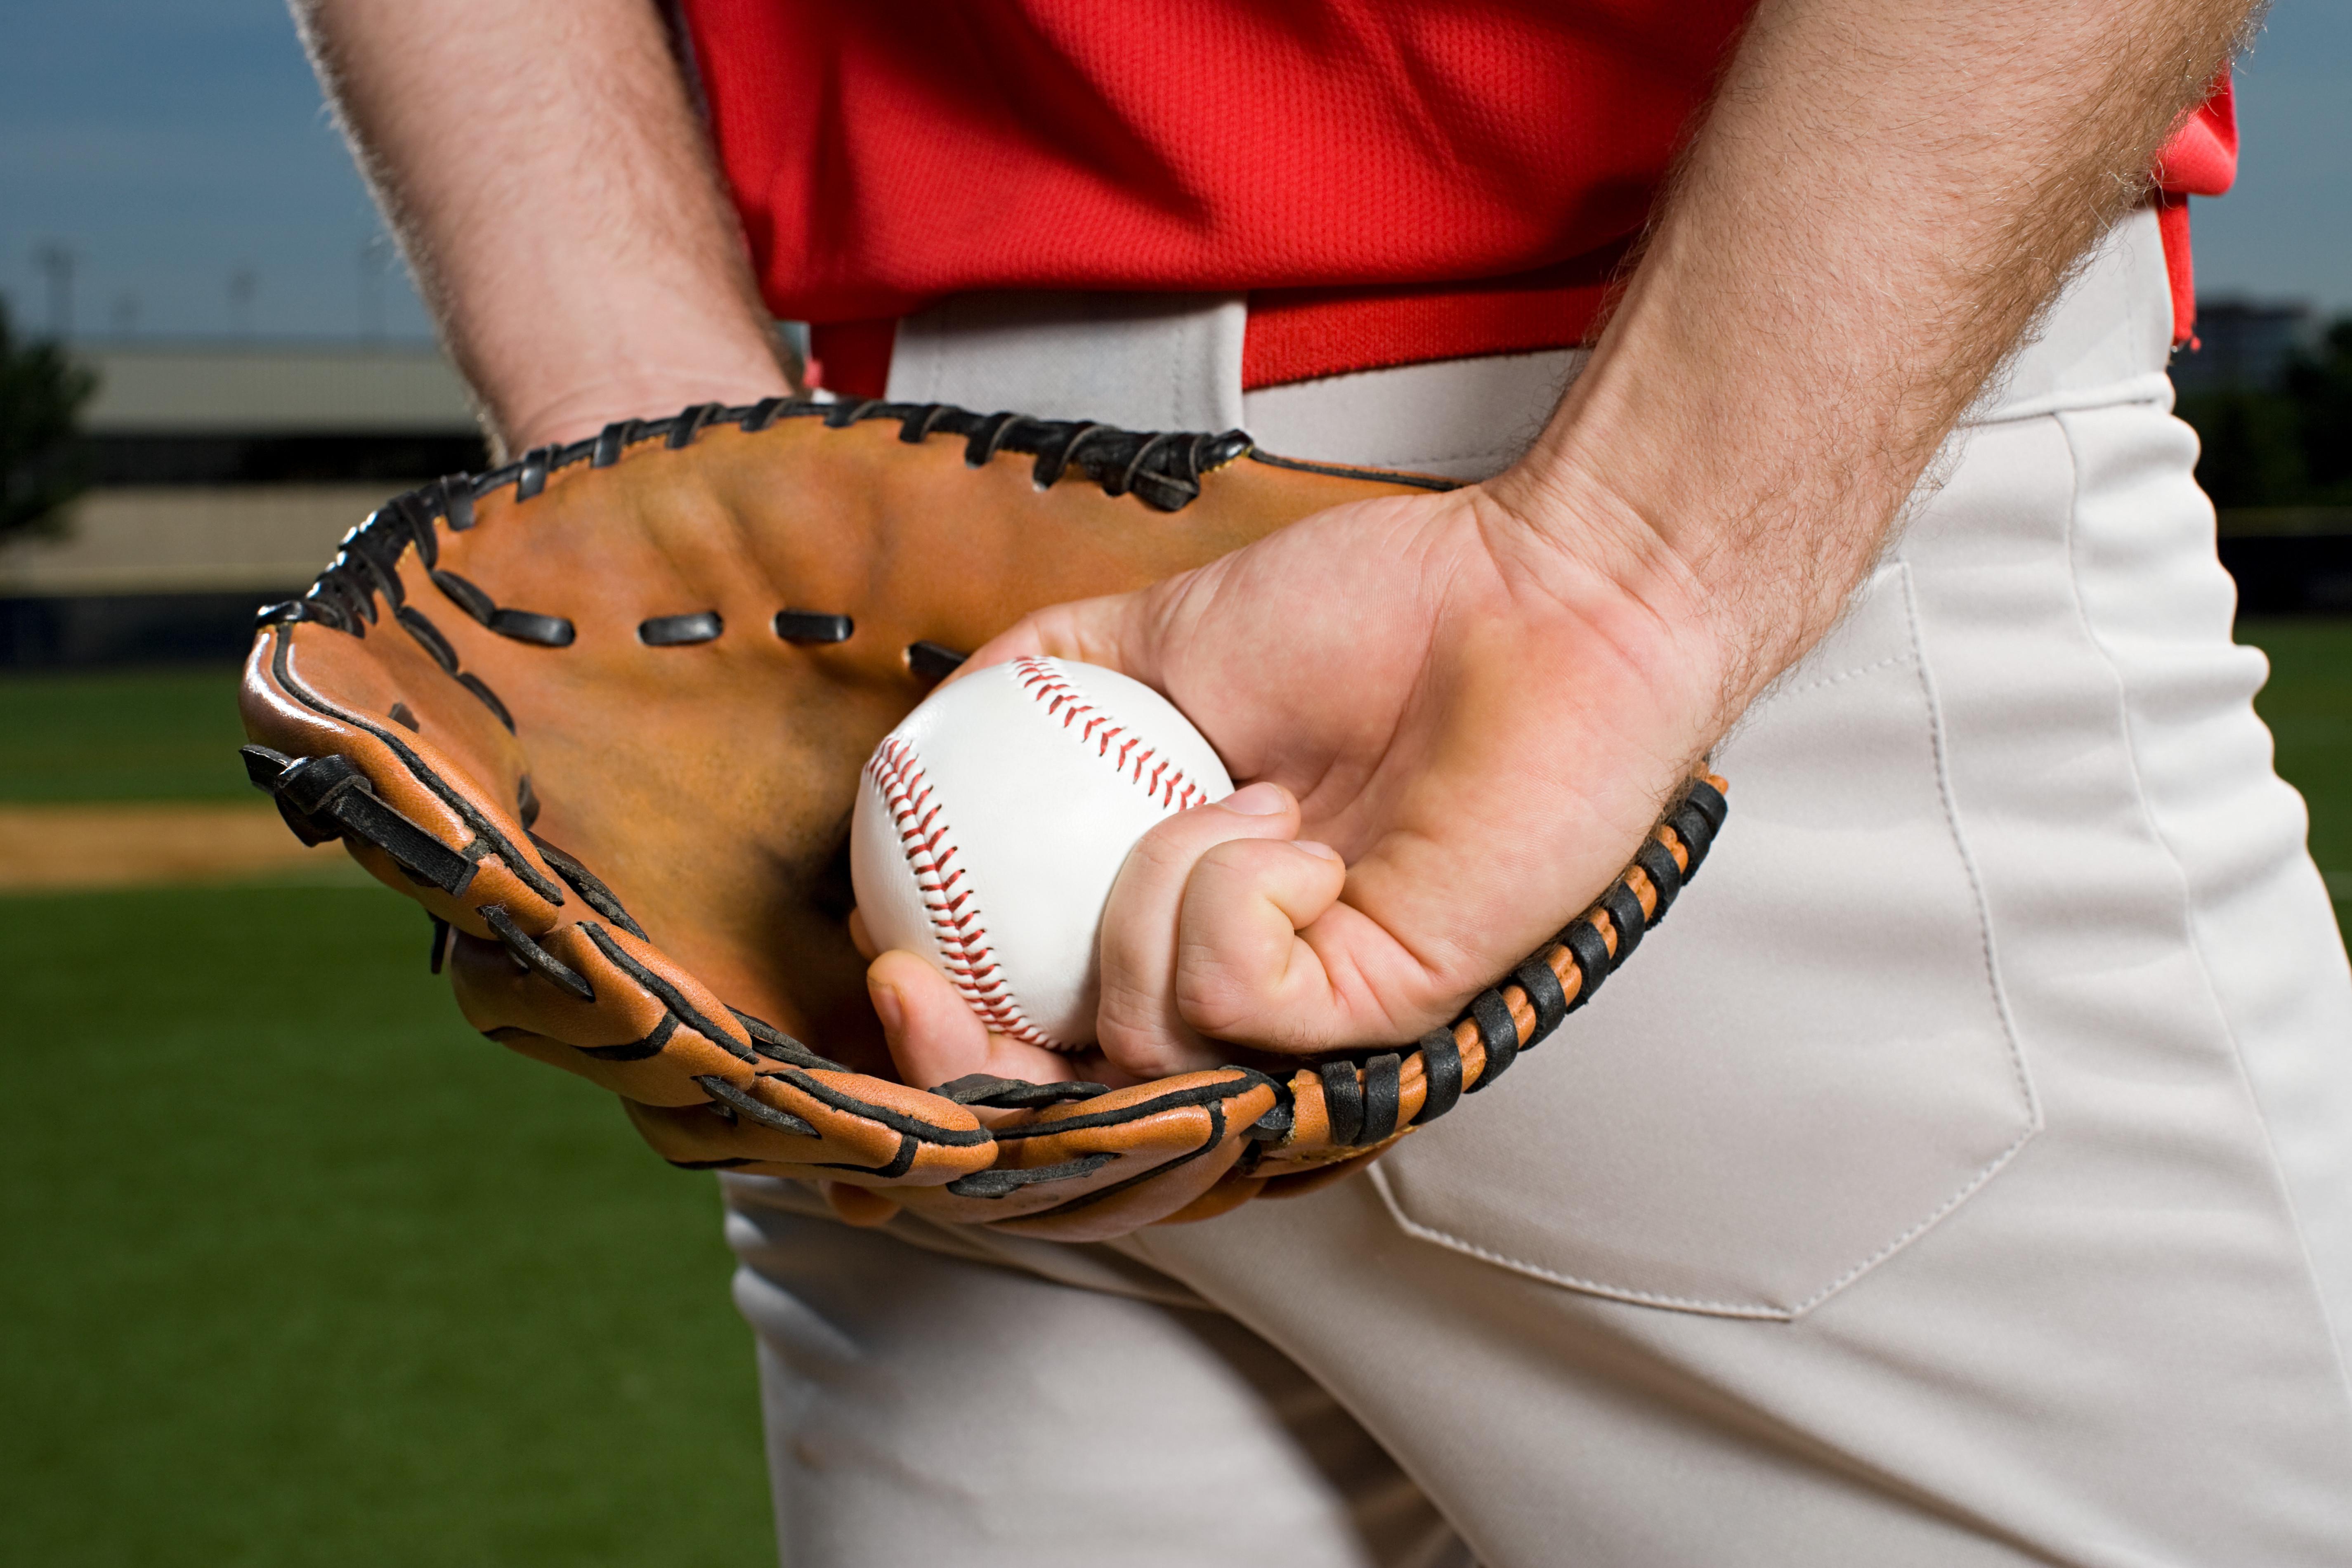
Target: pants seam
x,y
2185,902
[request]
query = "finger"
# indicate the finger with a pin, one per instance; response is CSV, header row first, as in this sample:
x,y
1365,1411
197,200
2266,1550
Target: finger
x,y
1105,631
858,1206
934,1039
861,938
1139,1024
1244,971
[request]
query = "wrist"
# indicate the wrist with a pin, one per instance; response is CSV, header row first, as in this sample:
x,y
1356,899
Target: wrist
x,y
1596,549
550,400
558,366
588,404
1744,532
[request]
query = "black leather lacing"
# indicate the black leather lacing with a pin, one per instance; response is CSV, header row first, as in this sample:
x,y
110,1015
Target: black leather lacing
x,y
1012,1093
999,1181
1162,468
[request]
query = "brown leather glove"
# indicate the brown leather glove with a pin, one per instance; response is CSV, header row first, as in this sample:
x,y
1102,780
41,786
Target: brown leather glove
x,y
602,713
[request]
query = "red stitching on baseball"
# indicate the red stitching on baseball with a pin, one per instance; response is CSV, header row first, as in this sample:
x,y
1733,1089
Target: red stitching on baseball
x,y
963,941
1166,784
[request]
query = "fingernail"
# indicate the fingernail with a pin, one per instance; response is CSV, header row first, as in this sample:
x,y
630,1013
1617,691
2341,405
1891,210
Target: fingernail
x,y
1320,851
1256,800
888,1007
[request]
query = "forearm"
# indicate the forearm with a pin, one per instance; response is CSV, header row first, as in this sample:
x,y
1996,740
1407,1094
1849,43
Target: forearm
x,y
1881,196
555,196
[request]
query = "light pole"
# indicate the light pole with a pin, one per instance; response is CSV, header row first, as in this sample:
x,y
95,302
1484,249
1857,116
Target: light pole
x,y
56,265
243,284
375,255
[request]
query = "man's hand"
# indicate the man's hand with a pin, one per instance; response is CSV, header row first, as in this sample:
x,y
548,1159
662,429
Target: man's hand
x,y
1480,699
1479,714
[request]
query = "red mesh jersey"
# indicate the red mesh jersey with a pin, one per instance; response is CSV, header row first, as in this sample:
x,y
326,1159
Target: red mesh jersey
x,y
1389,182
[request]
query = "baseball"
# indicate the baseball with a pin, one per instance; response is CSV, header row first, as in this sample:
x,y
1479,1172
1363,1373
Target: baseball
x,y
990,825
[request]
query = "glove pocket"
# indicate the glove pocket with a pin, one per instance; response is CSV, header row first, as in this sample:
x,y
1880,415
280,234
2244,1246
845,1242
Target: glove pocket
x,y
1803,1071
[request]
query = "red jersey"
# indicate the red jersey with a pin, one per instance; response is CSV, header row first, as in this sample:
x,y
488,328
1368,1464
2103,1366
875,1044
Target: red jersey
x,y
1389,181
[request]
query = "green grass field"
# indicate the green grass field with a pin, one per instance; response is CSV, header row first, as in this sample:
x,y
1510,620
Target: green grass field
x,y
297,1270
168,734
2308,705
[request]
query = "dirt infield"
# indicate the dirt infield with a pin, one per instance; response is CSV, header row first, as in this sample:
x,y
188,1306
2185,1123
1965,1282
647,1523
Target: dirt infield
x,y
136,845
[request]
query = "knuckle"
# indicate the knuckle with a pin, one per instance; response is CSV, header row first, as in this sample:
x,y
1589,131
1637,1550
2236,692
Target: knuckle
x,y
1214,994
1237,860
1171,844
1176,849
1214,1010
1127,1006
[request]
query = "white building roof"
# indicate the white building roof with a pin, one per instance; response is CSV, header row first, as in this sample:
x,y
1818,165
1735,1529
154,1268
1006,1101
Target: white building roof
x,y
270,538
273,389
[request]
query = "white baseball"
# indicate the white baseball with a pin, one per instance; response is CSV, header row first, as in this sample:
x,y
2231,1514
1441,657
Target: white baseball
x,y
990,825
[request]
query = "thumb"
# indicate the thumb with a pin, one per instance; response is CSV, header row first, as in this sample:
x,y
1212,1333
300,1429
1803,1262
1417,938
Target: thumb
x,y
1113,631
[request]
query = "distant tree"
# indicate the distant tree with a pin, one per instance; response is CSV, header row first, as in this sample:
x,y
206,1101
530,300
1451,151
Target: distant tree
x,y
2321,387
2251,446
42,464
2288,444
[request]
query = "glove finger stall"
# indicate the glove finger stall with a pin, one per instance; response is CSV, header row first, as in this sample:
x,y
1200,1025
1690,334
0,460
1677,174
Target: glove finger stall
x,y
1103,1166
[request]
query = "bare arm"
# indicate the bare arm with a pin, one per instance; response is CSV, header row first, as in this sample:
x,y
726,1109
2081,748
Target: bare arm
x,y
1481,697
1882,196
554,194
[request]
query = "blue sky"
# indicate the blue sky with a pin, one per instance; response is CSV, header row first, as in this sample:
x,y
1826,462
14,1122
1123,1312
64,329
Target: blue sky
x,y
172,143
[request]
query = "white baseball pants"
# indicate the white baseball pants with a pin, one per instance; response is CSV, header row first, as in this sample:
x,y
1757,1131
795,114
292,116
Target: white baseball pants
x,y
1962,1175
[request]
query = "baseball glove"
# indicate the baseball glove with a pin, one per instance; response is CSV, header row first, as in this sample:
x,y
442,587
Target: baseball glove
x,y
602,713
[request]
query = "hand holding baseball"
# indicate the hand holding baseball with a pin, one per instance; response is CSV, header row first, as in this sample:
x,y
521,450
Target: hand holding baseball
x,y
1481,713
992,824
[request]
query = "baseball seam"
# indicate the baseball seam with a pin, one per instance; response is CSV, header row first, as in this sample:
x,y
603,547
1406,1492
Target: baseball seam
x,y
929,848
1165,783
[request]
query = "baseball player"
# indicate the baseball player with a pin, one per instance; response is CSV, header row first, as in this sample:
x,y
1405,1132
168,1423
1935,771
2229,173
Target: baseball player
x,y
1962,1177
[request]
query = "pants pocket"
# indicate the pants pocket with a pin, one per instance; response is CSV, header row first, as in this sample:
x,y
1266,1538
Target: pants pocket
x,y
1804,1069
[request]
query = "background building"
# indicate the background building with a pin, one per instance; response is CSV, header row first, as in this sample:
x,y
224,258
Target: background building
x,y
2244,343
224,476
